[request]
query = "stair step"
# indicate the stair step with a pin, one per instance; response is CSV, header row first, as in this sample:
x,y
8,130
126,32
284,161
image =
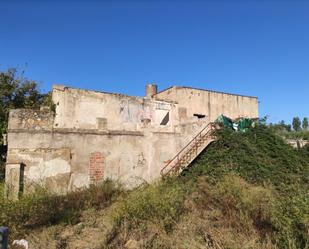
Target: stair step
x,y
193,148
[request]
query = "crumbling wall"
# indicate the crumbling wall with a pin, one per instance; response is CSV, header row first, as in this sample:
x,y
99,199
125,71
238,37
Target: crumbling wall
x,y
297,143
95,136
31,119
195,103
82,109
50,167
68,160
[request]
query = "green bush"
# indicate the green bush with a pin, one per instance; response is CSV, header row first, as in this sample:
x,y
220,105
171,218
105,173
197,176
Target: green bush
x,y
259,156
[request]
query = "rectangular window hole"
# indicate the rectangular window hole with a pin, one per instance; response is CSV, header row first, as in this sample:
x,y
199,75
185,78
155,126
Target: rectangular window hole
x,y
166,119
199,115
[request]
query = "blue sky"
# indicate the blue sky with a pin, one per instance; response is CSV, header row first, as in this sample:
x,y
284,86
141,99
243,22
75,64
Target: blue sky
x,y
258,48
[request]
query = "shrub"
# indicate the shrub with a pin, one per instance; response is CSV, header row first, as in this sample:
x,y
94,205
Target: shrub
x,y
290,219
160,204
148,210
243,203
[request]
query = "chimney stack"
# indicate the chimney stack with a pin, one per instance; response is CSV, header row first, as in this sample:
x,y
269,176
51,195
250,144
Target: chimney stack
x,y
151,89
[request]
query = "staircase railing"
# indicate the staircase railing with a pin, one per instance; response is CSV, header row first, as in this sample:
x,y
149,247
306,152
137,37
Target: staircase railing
x,y
174,163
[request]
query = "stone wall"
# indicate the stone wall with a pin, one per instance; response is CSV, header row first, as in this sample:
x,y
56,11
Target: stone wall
x,y
31,119
297,143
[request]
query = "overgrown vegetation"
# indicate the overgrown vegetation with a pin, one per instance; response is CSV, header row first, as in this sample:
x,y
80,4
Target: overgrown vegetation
x,y
247,190
249,183
259,156
262,158
158,206
41,208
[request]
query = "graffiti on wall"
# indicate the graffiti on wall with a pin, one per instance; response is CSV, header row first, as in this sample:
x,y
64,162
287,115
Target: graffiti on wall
x,y
141,160
134,112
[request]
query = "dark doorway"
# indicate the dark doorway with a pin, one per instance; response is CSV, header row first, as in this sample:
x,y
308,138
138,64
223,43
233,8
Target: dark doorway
x,y
21,179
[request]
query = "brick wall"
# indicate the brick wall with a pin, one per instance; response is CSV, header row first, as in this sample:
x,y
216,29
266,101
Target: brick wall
x,y
96,167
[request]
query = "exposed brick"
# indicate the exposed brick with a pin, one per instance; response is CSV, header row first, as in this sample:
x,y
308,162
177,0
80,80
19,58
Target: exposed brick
x,y
96,166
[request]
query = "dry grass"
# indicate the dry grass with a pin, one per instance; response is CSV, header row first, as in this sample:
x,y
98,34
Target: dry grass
x,y
231,214
43,209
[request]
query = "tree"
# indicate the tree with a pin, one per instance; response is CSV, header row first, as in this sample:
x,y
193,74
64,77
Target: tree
x,y
296,124
283,126
15,92
305,123
280,127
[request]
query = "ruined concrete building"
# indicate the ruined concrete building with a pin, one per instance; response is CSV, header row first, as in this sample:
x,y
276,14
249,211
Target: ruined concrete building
x,y
93,135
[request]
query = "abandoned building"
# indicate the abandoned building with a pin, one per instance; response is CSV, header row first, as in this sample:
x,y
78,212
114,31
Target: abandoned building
x,y
92,136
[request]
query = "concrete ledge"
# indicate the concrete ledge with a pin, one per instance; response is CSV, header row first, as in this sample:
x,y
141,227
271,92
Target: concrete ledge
x,y
78,131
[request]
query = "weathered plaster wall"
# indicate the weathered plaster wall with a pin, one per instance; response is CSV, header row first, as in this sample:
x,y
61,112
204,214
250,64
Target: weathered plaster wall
x,y
93,136
43,166
212,104
82,109
65,160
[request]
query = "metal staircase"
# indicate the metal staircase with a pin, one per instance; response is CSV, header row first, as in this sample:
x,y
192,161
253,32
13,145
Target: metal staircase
x,y
190,151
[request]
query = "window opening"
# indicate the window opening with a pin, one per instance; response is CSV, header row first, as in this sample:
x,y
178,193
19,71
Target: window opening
x,y
199,115
166,119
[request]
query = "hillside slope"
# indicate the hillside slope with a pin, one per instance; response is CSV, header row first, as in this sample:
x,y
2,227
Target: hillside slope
x,y
247,190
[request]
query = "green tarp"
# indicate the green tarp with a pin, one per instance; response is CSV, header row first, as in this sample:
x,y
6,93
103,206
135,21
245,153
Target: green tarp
x,y
241,125
225,121
244,124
